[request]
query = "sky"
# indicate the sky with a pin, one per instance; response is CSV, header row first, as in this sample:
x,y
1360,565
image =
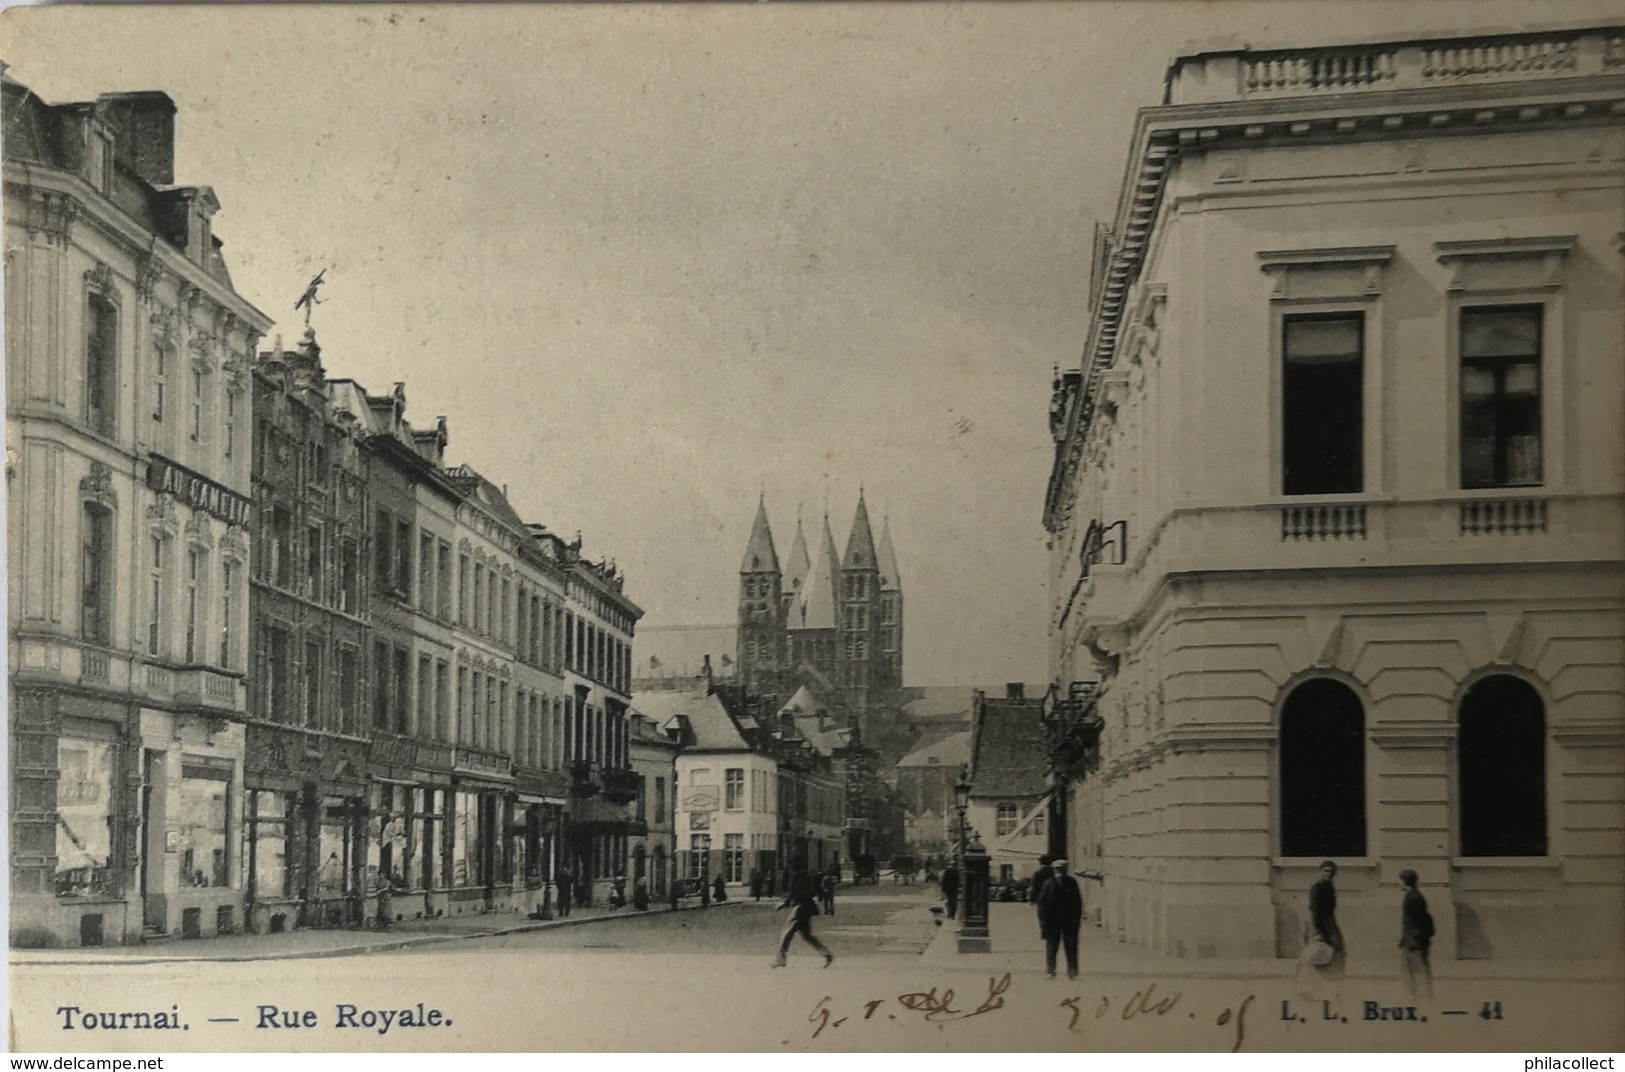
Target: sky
x,y
653,261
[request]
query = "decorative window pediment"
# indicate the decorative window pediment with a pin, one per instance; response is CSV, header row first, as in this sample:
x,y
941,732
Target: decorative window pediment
x,y
1338,273
1506,264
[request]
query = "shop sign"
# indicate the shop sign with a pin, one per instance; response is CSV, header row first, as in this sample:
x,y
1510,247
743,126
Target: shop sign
x,y
196,490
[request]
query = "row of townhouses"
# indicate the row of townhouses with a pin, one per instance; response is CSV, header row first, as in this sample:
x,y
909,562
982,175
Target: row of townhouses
x,y
1337,504
270,655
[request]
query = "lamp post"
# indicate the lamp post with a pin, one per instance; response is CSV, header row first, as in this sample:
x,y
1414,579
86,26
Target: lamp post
x,y
974,936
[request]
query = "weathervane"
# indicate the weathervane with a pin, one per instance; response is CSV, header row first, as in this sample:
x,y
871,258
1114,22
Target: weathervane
x,y
308,300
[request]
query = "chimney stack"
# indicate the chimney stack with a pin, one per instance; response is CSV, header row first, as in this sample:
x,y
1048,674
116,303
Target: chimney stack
x,y
706,670
145,141
1015,690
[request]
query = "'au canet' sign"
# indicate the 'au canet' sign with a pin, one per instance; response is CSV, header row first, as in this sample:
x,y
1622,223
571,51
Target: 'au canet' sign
x,y
197,491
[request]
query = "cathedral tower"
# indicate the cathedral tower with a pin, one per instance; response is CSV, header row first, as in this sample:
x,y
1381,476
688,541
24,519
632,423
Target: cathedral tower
x,y
860,653
761,607
891,613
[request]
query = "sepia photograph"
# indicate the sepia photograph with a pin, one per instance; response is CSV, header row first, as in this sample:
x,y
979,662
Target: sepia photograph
x,y
800,528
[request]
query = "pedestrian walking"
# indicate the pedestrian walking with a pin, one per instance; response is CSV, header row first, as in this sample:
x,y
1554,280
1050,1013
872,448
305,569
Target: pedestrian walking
x,y
1060,914
803,903
1415,938
1044,873
828,892
950,888
719,890
1324,959
756,885
566,888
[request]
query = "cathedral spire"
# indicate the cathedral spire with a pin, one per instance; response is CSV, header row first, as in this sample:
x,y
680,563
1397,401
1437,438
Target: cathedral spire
x,y
860,546
890,579
759,554
799,563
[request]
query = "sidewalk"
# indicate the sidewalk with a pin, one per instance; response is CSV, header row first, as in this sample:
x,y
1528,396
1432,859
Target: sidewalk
x,y
1017,947
312,942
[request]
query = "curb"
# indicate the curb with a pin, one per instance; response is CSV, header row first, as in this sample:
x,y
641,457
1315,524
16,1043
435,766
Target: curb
x,y
354,950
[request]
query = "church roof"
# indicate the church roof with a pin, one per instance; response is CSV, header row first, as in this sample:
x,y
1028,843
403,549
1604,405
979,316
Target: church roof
x,y
890,579
951,751
798,564
759,553
860,546
680,650
816,607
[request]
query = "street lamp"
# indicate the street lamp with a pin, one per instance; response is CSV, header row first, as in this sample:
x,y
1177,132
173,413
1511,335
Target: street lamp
x,y
974,936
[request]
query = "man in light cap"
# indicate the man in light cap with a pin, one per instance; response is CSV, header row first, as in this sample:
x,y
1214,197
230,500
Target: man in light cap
x,y
1060,914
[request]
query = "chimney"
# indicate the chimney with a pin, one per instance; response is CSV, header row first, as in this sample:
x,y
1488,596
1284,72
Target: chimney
x,y
145,142
706,670
1015,690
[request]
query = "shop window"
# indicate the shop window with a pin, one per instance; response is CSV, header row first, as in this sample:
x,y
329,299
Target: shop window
x,y
84,818
1322,404
465,846
733,857
204,801
1322,771
336,848
1501,774
268,848
1500,397
389,850
699,855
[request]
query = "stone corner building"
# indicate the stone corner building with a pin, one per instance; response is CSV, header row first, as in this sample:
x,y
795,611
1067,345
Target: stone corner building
x,y
1336,502
128,358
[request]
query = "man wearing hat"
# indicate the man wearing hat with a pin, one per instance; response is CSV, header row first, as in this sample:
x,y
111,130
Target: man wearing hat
x,y
1060,914
1415,938
1044,873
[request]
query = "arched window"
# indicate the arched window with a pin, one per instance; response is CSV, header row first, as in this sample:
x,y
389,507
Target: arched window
x,y
1501,774
1322,771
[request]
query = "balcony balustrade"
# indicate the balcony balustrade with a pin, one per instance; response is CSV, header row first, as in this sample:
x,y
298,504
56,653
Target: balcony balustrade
x,y
1399,65
584,778
620,785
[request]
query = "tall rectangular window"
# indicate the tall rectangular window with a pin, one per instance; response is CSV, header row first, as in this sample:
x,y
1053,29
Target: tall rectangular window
x,y
313,684
194,583
228,581
101,365
96,574
442,700
231,423
197,406
347,721
734,789
403,691
403,559
426,592
313,563
479,597
380,685
155,596
383,557
660,800
281,547
160,379
349,577
1322,404
1500,397
462,705
280,678
443,581
463,594
504,618
425,696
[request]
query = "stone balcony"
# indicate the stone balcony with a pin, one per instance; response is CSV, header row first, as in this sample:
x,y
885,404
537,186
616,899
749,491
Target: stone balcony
x,y
199,686
1240,74
1511,528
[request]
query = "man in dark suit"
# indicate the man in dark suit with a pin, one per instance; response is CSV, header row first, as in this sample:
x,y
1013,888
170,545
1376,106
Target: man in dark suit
x,y
1415,938
1044,873
950,888
1060,914
803,903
